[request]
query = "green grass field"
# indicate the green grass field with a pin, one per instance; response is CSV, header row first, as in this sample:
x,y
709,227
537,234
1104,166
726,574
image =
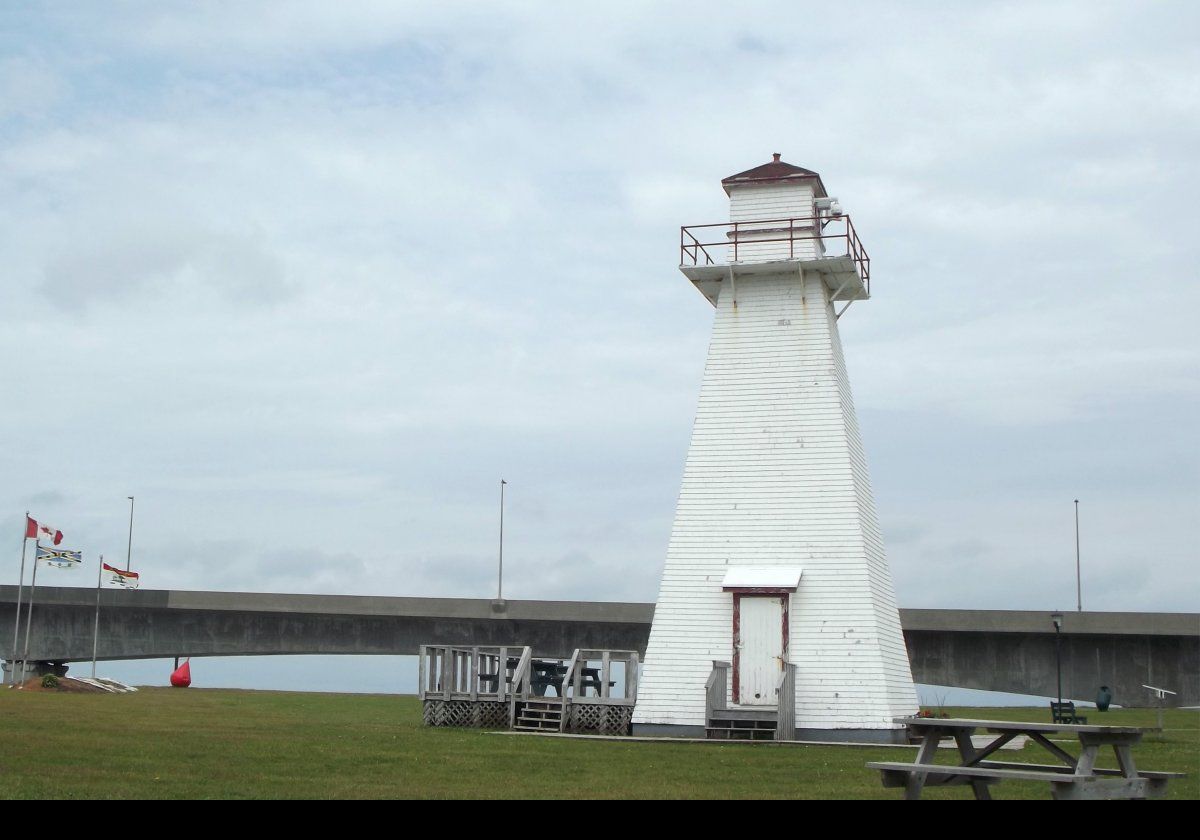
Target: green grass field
x,y
170,743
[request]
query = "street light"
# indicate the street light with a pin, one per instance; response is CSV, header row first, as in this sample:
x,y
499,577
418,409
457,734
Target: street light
x,y
1078,575
500,576
1057,618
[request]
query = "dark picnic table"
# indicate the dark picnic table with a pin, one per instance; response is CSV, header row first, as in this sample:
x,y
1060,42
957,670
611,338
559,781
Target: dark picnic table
x,y
1072,778
546,674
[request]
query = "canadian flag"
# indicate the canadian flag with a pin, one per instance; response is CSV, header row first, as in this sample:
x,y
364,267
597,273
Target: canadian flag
x,y
36,531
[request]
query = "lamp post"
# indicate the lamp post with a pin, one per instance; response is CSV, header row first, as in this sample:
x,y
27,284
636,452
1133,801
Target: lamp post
x,y
1057,618
500,576
1078,577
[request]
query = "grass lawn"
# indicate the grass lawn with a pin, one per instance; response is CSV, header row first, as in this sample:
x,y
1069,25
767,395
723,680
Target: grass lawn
x,y
209,743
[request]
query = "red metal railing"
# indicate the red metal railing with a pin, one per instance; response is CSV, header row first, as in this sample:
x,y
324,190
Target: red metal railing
x,y
842,240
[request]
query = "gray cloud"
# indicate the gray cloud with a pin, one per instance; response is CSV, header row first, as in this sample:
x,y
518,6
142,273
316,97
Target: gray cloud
x,y
150,261
29,86
330,274
46,497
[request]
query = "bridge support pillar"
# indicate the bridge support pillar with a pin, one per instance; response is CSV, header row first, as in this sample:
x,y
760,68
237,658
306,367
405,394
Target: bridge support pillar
x,y
33,668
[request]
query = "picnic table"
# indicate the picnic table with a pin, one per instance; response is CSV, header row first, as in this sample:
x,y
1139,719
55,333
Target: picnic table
x,y
546,674
1073,778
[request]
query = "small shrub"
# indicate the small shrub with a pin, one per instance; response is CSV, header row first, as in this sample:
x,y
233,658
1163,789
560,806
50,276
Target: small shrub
x,y
49,681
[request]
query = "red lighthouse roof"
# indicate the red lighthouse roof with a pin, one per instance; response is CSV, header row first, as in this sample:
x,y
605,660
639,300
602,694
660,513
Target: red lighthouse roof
x,y
776,170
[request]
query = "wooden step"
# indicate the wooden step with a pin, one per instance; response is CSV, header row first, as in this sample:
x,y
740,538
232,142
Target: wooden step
x,y
740,734
760,713
741,727
541,715
719,723
718,727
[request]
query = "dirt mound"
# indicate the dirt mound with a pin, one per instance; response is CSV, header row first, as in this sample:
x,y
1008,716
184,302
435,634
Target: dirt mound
x,y
65,684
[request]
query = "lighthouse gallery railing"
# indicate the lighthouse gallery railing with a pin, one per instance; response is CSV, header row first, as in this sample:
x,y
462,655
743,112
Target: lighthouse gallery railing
x,y
836,234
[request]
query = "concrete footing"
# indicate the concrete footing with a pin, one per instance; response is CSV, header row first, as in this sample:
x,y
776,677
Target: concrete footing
x,y
839,736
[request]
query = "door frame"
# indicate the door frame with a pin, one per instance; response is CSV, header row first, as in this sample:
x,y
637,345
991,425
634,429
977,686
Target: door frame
x,y
784,596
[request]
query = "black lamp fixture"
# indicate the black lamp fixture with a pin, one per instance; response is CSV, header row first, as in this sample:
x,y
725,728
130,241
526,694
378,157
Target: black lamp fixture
x,y
1057,618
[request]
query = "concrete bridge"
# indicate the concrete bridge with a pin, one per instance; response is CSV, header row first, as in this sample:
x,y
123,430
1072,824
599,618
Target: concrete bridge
x,y
996,650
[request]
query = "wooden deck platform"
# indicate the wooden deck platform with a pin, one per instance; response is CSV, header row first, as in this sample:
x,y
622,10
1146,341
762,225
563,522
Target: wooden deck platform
x,y
510,688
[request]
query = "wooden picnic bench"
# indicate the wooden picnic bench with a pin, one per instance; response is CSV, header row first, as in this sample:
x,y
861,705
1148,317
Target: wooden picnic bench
x,y
591,679
490,680
1074,778
1065,713
545,673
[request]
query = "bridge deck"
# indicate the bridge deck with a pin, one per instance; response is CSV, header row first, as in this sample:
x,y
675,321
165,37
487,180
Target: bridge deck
x,y
1001,650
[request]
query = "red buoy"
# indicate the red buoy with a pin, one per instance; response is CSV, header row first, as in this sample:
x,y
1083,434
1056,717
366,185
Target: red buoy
x,y
181,677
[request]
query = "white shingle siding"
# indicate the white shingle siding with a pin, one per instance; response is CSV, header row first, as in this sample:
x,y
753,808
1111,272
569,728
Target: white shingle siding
x,y
776,475
773,202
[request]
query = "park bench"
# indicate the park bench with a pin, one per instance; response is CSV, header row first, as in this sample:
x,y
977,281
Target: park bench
x,y
1101,784
1065,713
1075,778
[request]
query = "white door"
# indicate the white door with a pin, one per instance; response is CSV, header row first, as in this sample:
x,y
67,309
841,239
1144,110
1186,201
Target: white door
x,y
760,657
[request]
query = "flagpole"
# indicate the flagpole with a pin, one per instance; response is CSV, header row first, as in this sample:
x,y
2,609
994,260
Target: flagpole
x,y
29,614
129,548
96,629
12,663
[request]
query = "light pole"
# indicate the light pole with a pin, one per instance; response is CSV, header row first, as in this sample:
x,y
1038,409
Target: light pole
x,y
1057,618
500,578
1078,579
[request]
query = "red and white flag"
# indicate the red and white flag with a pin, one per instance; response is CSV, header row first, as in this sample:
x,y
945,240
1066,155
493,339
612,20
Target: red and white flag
x,y
121,577
40,531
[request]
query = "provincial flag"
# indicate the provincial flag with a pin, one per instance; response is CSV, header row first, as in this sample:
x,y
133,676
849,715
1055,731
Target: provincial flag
x,y
40,531
121,577
60,557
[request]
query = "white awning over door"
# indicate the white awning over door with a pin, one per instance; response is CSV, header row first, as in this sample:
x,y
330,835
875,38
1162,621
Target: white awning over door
x,y
763,577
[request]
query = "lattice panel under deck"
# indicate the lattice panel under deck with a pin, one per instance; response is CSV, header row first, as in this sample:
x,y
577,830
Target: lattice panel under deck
x,y
600,719
482,714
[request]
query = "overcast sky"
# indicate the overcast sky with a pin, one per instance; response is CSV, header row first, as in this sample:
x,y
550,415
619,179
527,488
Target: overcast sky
x,y
308,279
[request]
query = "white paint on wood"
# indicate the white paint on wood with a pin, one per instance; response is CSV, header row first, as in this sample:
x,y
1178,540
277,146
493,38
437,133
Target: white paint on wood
x,y
762,577
773,212
761,656
776,476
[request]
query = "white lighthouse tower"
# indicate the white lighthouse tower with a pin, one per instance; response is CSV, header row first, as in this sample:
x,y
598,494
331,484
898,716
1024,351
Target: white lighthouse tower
x,y
776,615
